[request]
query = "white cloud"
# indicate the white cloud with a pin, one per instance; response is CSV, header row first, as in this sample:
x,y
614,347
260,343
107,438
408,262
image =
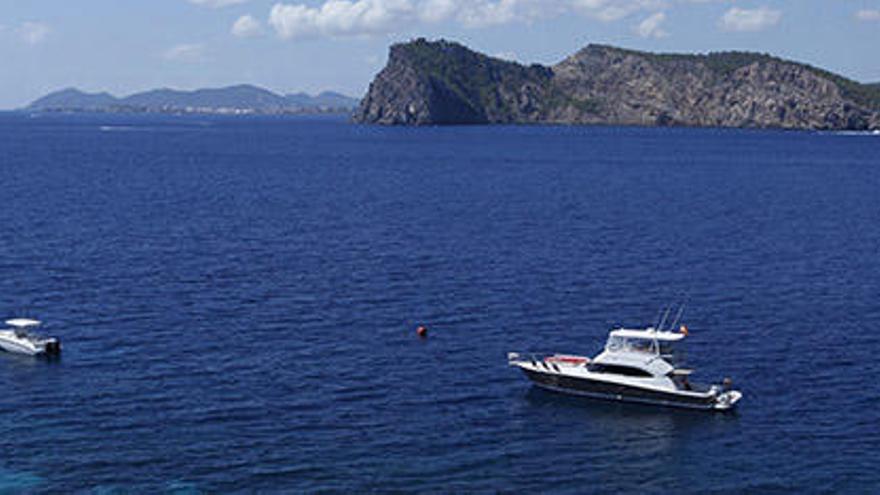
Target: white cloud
x,y
613,10
483,13
33,33
737,19
246,27
438,10
868,15
186,52
339,18
650,27
216,4
360,17
480,13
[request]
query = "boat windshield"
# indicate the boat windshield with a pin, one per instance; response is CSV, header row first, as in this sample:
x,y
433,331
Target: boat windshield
x,y
630,344
27,334
666,349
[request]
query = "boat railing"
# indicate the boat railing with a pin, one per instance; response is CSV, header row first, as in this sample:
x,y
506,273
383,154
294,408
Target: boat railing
x,y
546,359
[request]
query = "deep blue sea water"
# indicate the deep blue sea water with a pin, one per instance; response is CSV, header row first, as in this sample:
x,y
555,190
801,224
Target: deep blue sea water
x,y
238,299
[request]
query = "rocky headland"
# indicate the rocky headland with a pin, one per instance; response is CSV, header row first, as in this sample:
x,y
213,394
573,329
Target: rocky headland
x,y
442,82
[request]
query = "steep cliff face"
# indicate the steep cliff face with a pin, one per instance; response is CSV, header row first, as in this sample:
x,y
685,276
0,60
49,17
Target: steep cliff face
x,y
445,83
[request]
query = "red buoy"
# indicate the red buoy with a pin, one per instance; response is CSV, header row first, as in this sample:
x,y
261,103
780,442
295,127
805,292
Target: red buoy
x,y
422,332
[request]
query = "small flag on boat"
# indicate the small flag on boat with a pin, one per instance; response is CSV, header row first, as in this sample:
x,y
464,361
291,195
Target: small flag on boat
x,y
684,329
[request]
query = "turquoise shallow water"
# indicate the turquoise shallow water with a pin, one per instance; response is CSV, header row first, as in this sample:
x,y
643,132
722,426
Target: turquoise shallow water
x,y
238,299
11,481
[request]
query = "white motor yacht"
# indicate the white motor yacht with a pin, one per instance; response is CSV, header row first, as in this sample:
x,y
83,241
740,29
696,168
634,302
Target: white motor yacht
x,y
20,338
637,365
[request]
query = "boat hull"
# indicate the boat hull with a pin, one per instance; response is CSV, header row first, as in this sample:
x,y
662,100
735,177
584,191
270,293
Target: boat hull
x,y
619,392
15,347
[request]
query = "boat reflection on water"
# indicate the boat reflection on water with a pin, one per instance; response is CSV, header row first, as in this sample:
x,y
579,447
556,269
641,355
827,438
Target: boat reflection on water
x,y
616,440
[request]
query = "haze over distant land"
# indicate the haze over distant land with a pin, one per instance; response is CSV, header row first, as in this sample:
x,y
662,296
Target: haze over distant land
x,y
446,83
241,99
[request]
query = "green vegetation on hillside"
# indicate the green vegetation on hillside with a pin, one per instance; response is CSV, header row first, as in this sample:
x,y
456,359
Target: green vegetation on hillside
x,y
473,77
724,63
442,82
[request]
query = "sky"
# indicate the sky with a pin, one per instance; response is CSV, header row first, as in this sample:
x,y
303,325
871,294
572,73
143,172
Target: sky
x,y
315,45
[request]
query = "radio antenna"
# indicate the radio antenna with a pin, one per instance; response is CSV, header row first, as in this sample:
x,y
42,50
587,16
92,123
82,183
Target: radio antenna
x,y
678,316
659,315
665,316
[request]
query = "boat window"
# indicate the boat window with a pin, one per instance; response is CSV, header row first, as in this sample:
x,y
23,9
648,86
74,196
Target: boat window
x,y
641,345
615,344
618,370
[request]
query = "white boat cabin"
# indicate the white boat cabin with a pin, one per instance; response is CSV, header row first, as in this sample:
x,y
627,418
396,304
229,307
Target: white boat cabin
x,y
22,326
636,352
648,341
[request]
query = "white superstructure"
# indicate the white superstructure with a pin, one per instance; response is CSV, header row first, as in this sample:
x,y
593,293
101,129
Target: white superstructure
x,y
638,365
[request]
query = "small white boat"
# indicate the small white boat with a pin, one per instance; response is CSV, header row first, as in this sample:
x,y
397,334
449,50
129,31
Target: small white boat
x,y
20,338
637,365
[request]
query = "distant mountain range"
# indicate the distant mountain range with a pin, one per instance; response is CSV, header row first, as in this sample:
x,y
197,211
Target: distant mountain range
x,y
240,99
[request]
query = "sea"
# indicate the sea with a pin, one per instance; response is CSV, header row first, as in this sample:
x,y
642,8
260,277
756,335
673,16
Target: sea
x,y
238,298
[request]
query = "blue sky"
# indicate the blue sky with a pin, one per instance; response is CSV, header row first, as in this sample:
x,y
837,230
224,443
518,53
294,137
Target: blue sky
x,y
313,45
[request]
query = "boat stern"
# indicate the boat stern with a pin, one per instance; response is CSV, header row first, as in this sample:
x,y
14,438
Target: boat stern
x,y
727,400
52,347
